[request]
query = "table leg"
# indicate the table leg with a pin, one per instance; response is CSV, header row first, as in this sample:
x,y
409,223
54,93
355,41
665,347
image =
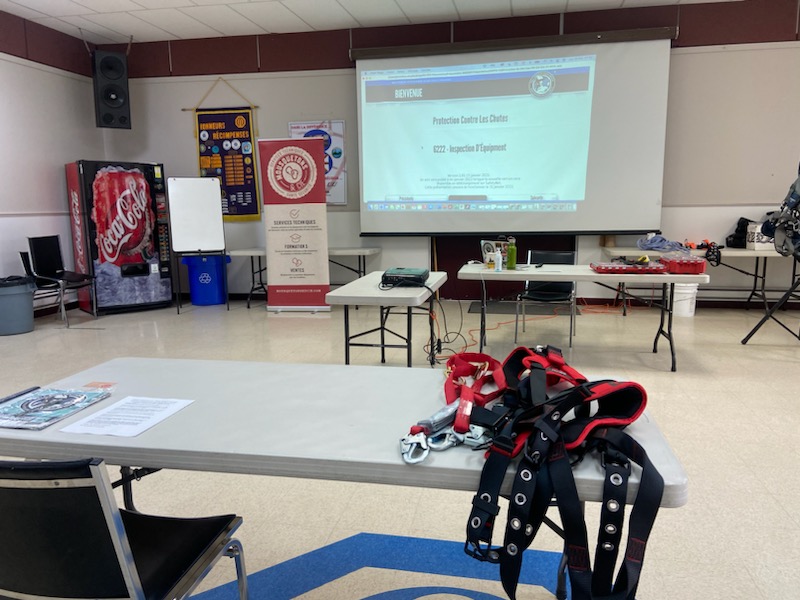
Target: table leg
x,y
759,283
433,346
256,272
483,316
384,318
408,333
667,296
346,334
178,282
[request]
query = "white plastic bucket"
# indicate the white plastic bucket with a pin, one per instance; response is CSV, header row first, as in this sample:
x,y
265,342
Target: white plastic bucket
x,y
684,300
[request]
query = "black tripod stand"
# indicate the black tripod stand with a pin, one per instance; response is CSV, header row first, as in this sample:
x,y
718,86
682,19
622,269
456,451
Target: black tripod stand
x,y
775,307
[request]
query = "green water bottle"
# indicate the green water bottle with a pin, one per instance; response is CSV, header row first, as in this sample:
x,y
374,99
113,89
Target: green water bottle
x,y
511,254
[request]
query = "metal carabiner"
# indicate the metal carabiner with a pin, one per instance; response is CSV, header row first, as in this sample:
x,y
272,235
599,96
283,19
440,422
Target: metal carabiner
x,y
444,439
414,448
477,436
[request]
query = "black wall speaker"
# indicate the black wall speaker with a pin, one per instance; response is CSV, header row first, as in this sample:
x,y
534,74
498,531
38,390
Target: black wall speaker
x,y
112,107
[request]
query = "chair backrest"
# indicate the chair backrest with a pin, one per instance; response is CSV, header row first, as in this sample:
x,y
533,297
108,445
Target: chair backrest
x,y
26,263
556,289
45,255
62,535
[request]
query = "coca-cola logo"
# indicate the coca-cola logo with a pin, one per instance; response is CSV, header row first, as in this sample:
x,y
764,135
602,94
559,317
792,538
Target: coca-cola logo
x,y
131,210
77,235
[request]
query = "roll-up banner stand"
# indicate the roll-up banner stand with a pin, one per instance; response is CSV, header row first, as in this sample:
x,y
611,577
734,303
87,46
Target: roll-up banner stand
x,y
296,221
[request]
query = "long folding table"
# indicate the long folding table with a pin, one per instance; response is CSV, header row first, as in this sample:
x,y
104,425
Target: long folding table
x,y
296,420
524,272
758,275
299,420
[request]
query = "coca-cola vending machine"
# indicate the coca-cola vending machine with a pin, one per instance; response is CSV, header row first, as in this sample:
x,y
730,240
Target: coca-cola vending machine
x,y
120,233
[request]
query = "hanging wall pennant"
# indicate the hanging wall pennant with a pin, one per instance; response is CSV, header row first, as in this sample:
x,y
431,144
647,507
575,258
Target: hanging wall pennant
x,y
226,149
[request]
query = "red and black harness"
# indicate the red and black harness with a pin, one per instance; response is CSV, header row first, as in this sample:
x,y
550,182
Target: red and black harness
x,y
549,433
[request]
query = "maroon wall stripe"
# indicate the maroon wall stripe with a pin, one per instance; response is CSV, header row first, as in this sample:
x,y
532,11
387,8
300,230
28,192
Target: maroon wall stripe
x,y
50,47
502,29
305,51
12,34
747,21
401,35
212,56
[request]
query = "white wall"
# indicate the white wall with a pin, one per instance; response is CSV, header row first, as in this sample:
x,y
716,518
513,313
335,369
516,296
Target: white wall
x,y
46,120
733,142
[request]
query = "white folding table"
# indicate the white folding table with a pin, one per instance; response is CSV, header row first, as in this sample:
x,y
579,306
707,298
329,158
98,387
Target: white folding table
x,y
296,420
758,274
585,273
258,267
367,291
361,255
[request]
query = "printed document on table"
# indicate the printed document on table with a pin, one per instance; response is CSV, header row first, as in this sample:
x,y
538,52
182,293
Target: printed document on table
x,y
129,417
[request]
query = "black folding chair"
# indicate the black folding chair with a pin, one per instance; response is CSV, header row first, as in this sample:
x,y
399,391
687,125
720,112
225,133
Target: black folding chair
x,y
44,262
548,292
64,537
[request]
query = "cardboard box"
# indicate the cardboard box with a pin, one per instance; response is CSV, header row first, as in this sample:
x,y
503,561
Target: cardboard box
x,y
757,240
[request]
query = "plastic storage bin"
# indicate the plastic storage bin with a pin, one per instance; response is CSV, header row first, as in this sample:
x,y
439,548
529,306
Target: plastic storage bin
x,y
684,300
16,305
685,264
206,279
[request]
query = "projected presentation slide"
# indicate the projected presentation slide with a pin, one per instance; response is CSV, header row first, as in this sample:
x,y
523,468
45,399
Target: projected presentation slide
x,y
500,136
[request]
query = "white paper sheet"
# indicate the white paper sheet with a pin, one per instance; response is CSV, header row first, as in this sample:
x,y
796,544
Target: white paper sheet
x,y
129,417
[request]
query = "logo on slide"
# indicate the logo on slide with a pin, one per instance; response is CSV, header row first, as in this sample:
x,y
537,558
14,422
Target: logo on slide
x,y
542,83
292,172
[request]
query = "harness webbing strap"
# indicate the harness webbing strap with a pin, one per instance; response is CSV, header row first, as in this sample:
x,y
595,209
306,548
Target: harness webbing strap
x,y
549,357
617,451
482,368
504,446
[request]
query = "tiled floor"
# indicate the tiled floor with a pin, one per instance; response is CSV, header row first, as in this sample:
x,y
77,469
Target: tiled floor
x,y
731,413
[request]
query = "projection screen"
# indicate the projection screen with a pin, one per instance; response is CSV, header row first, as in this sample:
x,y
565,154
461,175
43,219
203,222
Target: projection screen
x,y
563,139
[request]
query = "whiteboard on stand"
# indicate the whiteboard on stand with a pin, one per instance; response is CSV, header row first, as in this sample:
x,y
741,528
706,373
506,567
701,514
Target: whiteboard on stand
x,y
195,214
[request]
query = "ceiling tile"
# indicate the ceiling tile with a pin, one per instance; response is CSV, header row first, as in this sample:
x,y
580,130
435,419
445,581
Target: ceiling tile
x,y
224,19
19,10
322,15
177,23
375,13
60,24
108,6
587,5
162,3
272,17
87,27
212,2
525,8
128,25
429,11
55,8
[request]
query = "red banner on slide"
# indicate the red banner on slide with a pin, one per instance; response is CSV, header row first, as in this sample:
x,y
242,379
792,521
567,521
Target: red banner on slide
x,y
293,180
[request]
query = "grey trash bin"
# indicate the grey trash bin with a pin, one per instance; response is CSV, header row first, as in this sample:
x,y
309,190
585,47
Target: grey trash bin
x,y
16,305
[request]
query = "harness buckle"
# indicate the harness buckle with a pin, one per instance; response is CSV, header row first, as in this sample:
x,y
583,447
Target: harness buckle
x,y
614,457
414,448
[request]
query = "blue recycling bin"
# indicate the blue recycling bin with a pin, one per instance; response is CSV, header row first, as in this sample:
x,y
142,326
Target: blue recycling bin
x,y
206,279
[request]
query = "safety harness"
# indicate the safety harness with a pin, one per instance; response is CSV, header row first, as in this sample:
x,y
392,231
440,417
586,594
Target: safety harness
x,y
549,418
